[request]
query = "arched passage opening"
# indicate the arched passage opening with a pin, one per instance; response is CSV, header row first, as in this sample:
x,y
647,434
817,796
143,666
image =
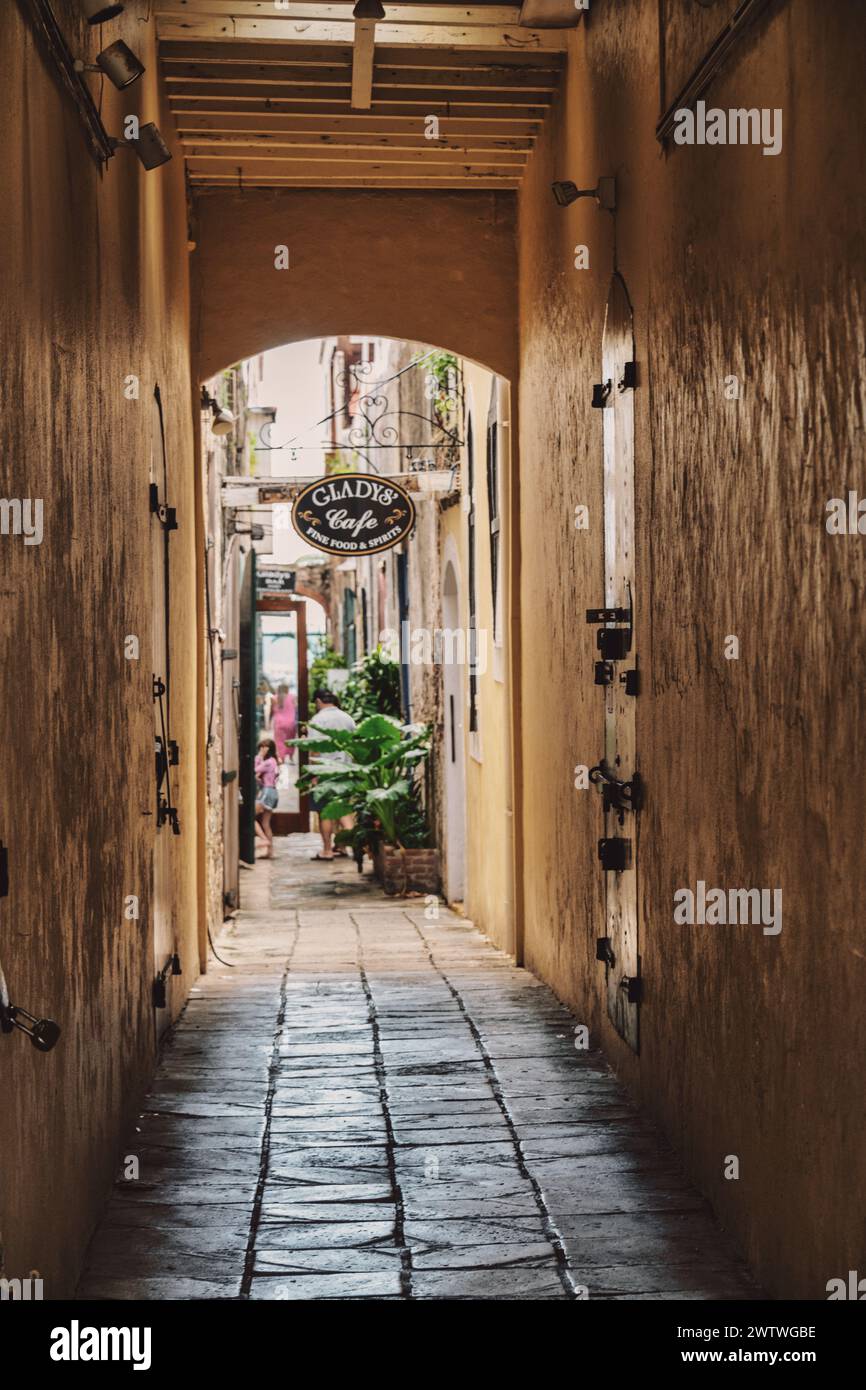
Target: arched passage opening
x,y
405,265
403,637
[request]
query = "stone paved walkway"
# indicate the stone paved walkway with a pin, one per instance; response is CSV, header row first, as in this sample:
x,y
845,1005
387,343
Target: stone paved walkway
x,y
368,1104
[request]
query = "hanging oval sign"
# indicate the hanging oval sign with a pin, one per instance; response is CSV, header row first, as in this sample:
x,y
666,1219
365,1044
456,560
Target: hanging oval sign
x,y
353,514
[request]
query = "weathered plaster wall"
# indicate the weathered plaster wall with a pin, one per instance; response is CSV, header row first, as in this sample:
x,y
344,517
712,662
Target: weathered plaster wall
x,y
434,268
95,289
740,264
488,893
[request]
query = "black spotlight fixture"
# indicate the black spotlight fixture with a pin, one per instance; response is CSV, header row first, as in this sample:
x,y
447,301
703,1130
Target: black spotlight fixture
x,y
117,62
98,11
149,145
369,9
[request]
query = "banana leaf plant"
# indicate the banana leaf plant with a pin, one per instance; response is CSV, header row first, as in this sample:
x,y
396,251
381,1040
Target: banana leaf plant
x,y
371,773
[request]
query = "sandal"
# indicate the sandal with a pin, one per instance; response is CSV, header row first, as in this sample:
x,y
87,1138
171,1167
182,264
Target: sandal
x,y
325,858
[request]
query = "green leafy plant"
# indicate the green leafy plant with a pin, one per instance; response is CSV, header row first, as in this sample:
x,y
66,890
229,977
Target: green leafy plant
x,y
373,687
444,368
371,773
326,661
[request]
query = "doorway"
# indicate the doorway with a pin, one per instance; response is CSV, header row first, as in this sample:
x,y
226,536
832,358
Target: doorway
x,y
281,700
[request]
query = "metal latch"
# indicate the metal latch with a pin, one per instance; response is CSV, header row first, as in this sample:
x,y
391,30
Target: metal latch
x,y
600,392
628,380
618,795
614,643
614,854
632,987
604,950
604,673
171,967
167,516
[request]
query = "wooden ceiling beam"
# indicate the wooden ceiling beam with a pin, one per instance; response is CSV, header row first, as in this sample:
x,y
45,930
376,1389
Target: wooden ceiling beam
x,y
362,64
487,37
460,59
238,182
178,10
474,144
417,110
198,156
276,127
507,80
426,97
353,168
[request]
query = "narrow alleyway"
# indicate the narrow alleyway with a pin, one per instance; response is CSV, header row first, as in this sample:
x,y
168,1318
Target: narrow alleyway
x,y
368,1104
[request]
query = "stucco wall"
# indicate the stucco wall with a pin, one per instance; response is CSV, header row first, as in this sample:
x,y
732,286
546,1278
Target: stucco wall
x,y
740,264
434,268
488,893
95,290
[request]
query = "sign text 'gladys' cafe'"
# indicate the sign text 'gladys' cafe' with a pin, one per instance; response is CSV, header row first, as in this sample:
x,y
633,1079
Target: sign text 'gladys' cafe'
x,y
353,514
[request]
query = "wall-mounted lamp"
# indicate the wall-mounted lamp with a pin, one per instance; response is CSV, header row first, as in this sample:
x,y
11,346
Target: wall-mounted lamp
x,y
150,146
118,62
369,9
98,11
223,421
604,193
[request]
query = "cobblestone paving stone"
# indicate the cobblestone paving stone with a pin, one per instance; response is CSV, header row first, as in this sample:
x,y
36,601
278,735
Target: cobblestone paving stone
x,y
365,1104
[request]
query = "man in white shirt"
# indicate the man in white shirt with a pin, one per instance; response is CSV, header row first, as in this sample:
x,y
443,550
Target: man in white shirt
x,y
329,716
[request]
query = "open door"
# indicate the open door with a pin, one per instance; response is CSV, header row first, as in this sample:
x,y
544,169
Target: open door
x,y
281,640
616,672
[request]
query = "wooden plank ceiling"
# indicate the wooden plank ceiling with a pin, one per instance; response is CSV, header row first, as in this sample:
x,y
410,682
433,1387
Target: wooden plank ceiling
x,y
303,96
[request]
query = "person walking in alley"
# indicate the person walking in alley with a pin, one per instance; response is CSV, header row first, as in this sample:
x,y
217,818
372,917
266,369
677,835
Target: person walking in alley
x,y
329,716
267,796
284,721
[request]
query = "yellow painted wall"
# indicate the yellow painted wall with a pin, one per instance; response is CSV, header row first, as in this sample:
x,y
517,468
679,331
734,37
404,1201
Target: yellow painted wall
x,y
95,289
736,263
489,891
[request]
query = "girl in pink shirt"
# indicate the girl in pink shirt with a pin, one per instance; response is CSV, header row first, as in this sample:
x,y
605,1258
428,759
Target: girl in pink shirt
x,y
267,795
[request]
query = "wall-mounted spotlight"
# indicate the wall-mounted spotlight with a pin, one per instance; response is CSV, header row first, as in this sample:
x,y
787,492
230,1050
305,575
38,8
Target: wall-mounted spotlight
x,y
98,11
118,62
369,9
150,146
223,421
604,193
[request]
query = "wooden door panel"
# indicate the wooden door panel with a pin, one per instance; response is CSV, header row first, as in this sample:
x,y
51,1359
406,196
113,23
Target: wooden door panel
x,y
620,752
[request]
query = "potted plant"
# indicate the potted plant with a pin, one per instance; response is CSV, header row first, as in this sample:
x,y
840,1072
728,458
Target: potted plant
x,y
371,773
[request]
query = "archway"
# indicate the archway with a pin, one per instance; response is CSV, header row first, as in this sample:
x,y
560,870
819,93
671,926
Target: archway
x,y
432,269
